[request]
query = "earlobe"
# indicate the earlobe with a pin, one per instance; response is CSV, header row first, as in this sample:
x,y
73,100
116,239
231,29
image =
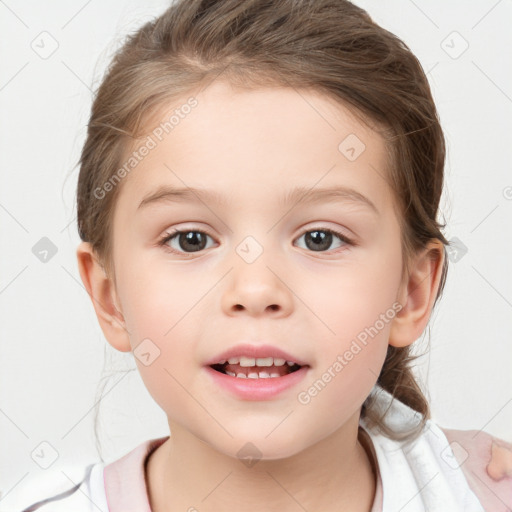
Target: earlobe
x,y
104,298
417,295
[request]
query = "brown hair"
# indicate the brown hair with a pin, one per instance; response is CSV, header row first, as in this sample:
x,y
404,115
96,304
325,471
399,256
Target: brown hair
x,y
330,46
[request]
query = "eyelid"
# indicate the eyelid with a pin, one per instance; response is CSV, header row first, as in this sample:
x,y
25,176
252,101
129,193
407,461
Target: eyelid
x,y
324,227
168,235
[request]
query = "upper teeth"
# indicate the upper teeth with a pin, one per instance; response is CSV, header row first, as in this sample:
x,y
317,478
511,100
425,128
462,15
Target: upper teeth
x,y
259,361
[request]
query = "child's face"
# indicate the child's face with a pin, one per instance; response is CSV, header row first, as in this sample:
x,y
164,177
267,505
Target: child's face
x,y
311,298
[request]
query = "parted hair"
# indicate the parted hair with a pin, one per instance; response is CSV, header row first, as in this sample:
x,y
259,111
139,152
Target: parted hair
x,y
330,46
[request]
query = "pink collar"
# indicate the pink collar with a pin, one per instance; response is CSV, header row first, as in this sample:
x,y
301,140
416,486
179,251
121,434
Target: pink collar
x,y
125,479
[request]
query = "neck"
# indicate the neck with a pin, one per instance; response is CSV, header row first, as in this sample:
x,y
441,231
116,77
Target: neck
x,y
334,474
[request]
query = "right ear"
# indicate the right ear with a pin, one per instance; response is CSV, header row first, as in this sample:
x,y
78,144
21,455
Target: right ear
x,y
102,292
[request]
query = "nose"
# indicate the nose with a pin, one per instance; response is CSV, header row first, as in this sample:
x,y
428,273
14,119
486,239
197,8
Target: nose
x,y
257,289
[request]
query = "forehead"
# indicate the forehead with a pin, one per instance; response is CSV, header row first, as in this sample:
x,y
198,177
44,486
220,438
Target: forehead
x,y
257,142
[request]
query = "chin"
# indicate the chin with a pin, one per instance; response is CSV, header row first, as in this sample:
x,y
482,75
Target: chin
x,y
253,449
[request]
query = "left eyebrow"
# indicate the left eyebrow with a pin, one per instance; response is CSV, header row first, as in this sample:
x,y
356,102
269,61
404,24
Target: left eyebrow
x,y
332,194
296,195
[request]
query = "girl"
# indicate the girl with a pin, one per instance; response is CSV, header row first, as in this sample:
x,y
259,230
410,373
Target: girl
x,y
257,201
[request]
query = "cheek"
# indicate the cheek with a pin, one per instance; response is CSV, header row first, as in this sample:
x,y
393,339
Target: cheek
x,y
165,316
356,304
159,301
353,297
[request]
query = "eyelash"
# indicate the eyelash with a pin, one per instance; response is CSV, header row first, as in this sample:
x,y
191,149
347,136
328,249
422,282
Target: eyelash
x,y
169,236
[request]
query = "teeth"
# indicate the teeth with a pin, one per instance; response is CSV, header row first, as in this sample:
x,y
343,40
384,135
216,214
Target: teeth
x,y
247,361
264,361
260,361
255,375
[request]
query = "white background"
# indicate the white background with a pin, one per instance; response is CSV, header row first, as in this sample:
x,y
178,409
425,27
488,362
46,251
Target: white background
x,y
52,349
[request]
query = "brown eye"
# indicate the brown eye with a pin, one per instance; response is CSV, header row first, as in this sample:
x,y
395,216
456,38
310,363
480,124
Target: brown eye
x,y
186,241
320,240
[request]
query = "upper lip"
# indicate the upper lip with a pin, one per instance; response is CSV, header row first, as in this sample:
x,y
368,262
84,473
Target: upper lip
x,y
256,351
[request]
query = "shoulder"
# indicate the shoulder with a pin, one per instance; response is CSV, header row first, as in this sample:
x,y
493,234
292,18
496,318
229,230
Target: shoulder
x,y
63,493
486,462
442,469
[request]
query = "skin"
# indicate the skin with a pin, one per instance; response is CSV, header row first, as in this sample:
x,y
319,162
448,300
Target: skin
x,y
253,146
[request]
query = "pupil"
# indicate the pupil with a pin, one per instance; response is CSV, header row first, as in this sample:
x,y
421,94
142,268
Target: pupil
x,y
318,237
194,239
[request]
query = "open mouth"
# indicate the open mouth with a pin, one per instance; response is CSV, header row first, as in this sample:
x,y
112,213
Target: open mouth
x,y
261,368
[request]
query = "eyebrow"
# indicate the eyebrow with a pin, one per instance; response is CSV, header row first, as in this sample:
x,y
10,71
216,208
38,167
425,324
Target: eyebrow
x,y
296,195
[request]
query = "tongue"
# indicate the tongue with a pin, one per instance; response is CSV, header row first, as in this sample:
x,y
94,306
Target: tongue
x,y
236,369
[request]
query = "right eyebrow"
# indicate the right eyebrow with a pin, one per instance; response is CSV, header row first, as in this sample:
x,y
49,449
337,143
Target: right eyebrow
x,y
170,194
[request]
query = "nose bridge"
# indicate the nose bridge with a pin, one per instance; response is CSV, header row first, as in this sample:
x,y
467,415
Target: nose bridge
x,y
255,285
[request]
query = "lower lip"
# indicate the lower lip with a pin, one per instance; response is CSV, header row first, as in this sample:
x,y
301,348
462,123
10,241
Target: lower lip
x,y
257,389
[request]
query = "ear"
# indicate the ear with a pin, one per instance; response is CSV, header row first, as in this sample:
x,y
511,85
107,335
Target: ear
x,y
102,292
417,295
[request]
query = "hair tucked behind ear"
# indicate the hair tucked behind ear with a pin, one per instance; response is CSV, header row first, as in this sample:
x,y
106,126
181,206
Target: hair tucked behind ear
x,y
330,46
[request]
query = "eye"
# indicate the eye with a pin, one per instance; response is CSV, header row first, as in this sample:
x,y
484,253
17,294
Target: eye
x,y
186,241
193,240
318,240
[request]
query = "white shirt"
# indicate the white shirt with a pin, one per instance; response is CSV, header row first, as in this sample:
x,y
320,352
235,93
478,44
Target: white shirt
x,y
422,475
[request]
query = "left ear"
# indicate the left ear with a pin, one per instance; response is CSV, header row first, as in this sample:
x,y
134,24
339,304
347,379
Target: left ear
x,y
417,295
